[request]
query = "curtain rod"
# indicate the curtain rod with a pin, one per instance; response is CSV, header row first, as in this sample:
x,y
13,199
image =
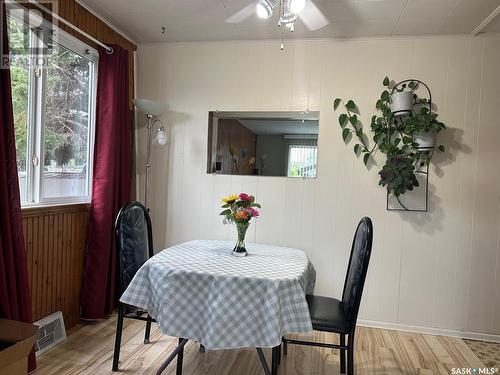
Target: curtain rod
x,y
69,24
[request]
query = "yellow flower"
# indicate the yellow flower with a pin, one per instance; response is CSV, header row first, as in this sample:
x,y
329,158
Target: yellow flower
x,y
230,199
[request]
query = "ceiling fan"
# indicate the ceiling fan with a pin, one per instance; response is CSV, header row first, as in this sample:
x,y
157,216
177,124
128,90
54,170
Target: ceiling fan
x,y
289,11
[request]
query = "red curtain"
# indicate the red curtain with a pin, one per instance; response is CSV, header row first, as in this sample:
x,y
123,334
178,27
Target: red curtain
x,y
111,182
15,297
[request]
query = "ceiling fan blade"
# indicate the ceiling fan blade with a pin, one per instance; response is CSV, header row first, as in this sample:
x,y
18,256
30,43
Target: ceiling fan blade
x,y
313,18
242,14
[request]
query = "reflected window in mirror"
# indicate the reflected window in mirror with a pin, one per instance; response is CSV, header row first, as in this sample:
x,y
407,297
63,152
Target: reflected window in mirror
x,y
263,143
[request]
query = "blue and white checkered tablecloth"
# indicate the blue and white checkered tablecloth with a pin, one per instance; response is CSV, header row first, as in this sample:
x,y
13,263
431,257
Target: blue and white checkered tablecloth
x,y
198,290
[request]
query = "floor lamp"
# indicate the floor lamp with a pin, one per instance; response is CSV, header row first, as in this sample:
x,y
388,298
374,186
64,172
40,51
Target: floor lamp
x,y
152,109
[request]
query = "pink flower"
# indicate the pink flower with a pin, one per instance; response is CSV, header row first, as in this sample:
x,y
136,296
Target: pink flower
x,y
252,211
246,197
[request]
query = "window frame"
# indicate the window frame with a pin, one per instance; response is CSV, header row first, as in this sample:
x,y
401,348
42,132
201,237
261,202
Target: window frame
x,y
35,146
295,145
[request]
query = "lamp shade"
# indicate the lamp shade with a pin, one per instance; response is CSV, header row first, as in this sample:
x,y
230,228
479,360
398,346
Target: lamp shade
x,y
150,107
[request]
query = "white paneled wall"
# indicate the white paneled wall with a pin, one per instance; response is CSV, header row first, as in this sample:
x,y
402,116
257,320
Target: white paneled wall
x,y
439,270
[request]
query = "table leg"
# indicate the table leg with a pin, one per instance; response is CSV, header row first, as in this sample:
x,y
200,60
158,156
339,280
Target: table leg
x,y
263,361
177,350
274,363
180,358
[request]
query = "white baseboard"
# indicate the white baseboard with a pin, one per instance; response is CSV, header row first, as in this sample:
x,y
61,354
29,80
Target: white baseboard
x,y
430,331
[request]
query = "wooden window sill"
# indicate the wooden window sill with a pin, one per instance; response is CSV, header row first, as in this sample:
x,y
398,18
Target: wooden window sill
x,y
53,209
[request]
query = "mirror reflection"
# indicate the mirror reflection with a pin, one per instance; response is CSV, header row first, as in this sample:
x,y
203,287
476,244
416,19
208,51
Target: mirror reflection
x,y
263,143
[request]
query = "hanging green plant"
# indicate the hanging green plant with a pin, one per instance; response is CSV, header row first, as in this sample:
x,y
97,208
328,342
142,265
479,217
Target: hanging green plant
x,y
403,128
398,174
350,125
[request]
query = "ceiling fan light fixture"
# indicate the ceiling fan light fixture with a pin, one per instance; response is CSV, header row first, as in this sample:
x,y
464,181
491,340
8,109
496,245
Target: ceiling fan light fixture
x,y
288,18
297,6
264,9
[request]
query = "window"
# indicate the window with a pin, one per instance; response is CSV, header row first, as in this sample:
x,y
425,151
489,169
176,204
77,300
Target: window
x,y
53,98
302,160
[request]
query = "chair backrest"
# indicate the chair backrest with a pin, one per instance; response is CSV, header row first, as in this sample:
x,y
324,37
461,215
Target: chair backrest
x,y
134,241
357,269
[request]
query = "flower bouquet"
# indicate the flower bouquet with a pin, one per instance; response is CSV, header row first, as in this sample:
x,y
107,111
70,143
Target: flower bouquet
x,y
239,210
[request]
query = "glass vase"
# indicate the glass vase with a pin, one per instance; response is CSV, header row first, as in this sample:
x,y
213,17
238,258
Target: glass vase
x,y
239,249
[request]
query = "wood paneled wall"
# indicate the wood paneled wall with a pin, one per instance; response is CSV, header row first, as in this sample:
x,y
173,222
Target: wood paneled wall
x,y
232,134
55,245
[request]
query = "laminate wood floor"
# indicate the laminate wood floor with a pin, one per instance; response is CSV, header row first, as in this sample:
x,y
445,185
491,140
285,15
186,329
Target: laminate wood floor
x,y
89,350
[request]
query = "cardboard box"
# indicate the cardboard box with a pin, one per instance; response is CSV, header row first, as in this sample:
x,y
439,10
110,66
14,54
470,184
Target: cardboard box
x,y
16,341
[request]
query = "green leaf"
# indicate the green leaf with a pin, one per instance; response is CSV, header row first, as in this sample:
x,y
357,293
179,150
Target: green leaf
x,y
396,141
350,105
357,148
243,204
343,120
336,103
441,148
386,81
385,96
353,119
345,134
225,213
225,206
255,205
366,158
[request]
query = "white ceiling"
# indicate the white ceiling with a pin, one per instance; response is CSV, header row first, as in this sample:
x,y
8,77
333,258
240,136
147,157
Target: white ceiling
x,y
201,20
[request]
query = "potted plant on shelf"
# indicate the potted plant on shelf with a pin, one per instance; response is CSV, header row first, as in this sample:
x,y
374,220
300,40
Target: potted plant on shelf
x,y
402,99
239,210
423,127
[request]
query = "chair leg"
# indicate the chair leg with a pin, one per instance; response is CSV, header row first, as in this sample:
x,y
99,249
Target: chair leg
x,y
285,348
118,337
279,355
148,330
350,355
342,355
180,358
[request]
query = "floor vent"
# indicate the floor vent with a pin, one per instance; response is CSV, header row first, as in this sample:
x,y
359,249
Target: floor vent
x,y
51,331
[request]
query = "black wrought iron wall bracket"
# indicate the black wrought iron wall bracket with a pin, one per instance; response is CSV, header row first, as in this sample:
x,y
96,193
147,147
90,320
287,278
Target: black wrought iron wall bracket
x,y
423,170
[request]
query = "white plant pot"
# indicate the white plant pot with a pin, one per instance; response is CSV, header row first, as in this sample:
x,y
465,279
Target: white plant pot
x,y
401,103
425,140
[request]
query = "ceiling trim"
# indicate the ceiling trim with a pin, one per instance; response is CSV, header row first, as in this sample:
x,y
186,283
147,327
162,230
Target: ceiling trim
x,y
319,40
106,21
486,21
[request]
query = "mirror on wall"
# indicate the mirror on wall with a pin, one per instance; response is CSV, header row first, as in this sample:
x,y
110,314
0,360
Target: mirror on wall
x,y
263,143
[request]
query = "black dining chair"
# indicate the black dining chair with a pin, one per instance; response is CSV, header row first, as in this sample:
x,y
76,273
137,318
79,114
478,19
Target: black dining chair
x,y
134,246
339,316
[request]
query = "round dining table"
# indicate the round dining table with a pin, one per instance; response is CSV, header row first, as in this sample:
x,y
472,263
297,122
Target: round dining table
x,y
197,290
